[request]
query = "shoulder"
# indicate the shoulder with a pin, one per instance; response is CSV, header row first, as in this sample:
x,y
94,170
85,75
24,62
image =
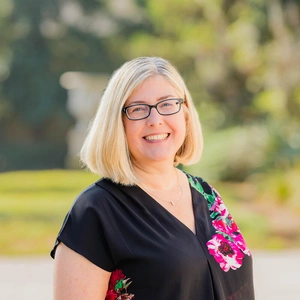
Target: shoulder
x,y
90,216
201,185
94,206
95,195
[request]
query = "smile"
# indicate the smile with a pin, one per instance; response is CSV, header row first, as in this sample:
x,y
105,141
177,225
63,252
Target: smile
x,y
157,137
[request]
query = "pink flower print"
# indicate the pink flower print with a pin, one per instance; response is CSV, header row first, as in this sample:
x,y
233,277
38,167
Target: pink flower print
x,y
117,287
221,226
241,244
219,207
233,225
226,227
227,254
233,232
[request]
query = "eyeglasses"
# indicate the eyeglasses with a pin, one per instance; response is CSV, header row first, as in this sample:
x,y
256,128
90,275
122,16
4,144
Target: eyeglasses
x,y
142,111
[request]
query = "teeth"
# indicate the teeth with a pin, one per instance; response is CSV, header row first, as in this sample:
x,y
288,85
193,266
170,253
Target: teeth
x,y
156,137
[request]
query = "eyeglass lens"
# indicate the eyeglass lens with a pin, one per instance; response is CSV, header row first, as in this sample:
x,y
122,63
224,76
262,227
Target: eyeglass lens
x,y
165,107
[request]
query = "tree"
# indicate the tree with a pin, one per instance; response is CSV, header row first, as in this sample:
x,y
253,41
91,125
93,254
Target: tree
x,y
241,61
46,39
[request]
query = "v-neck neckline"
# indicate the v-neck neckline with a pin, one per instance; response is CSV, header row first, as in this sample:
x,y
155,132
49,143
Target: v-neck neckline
x,y
178,221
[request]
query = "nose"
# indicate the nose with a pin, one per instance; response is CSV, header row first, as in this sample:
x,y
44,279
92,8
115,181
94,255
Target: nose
x,y
154,118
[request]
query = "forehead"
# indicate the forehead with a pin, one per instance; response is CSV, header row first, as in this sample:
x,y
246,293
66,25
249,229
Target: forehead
x,y
153,89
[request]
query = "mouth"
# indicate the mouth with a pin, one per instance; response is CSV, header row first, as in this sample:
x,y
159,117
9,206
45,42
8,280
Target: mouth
x,y
157,137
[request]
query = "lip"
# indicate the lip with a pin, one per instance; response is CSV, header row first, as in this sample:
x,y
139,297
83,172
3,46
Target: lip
x,y
156,137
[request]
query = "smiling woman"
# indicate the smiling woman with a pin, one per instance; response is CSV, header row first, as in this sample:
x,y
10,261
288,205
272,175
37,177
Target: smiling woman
x,y
156,137
108,156
148,230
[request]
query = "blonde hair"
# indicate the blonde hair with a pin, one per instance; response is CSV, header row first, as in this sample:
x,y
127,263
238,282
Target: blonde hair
x,y
105,149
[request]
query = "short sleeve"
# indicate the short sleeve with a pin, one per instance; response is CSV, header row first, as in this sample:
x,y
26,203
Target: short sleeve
x,y
85,228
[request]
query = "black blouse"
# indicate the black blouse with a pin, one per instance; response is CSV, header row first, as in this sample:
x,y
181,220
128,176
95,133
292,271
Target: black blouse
x,y
122,227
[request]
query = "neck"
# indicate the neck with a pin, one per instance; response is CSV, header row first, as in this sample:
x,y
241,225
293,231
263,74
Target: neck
x,y
163,186
161,177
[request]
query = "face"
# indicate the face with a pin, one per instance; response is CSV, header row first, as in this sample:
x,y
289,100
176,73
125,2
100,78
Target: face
x,y
157,138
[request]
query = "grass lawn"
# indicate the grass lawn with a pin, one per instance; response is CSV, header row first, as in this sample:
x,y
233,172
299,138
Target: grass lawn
x,y
33,205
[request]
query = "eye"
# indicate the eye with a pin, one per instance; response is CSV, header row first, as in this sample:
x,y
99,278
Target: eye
x,y
167,103
137,108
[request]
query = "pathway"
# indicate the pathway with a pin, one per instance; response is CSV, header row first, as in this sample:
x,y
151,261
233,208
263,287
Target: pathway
x,y
276,277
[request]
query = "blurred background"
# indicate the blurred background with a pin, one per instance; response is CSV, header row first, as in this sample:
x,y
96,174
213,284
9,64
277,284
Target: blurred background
x,y
241,63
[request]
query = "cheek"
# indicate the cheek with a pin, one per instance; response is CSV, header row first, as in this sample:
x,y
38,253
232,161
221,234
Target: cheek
x,y
180,128
131,133
127,127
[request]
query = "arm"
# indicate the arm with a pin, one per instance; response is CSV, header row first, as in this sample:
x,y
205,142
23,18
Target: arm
x,y
76,278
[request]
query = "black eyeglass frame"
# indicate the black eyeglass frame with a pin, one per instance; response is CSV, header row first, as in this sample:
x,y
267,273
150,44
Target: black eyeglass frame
x,y
181,101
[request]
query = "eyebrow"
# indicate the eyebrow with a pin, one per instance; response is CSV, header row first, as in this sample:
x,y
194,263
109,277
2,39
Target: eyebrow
x,y
159,99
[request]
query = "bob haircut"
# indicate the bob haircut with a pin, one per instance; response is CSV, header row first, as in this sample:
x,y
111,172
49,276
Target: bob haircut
x,y
105,149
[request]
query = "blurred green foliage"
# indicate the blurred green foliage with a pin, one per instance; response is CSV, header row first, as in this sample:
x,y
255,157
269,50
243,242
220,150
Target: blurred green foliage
x,y
240,60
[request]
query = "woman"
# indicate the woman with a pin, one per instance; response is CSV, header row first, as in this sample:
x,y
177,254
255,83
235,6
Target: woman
x,y
147,230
